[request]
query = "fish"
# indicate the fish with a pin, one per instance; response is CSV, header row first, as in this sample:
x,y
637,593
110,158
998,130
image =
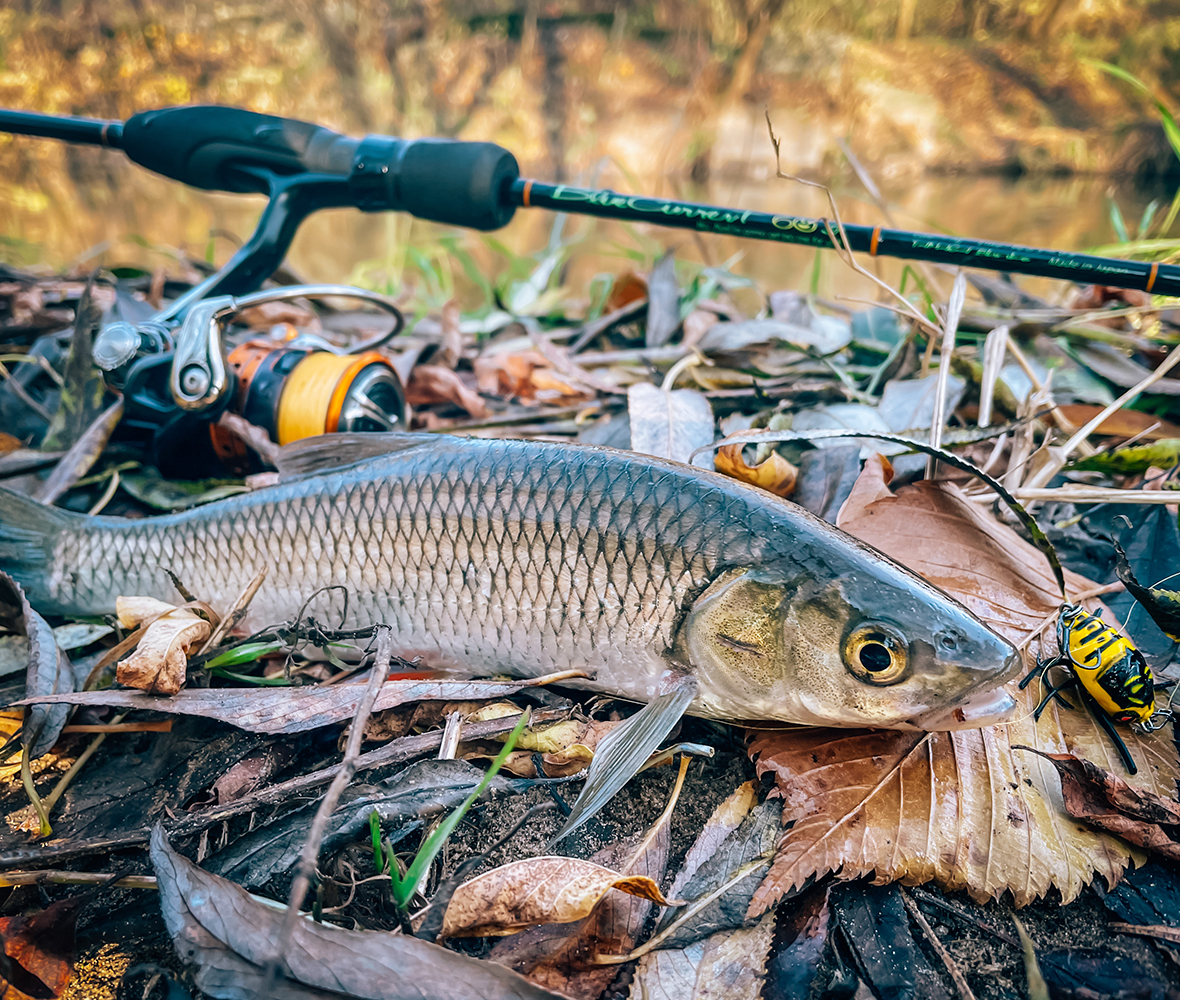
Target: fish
x,y
667,584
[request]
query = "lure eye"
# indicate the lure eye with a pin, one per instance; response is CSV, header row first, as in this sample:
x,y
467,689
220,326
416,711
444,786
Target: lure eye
x,y
876,654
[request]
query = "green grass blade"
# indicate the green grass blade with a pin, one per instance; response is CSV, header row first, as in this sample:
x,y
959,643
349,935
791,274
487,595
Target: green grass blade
x,y
1116,220
404,887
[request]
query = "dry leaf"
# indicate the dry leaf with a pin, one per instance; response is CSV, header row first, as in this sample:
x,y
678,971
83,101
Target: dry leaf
x,y
8,443
430,384
962,809
38,949
941,535
160,661
565,747
560,957
776,474
1121,423
1104,800
297,709
669,424
545,890
729,965
628,288
134,611
522,374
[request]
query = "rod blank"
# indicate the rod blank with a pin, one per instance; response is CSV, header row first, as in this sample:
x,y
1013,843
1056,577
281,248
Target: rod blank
x,y
1162,279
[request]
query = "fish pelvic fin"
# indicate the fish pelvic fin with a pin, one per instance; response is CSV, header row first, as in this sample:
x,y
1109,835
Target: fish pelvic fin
x,y
28,531
622,754
330,452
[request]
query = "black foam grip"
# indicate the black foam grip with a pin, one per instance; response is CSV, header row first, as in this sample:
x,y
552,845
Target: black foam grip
x,y
201,144
461,183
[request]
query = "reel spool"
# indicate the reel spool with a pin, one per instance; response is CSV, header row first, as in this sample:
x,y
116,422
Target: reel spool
x,y
294,393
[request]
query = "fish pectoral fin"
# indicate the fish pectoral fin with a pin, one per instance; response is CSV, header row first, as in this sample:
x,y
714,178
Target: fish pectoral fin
x,y
329,452
622,754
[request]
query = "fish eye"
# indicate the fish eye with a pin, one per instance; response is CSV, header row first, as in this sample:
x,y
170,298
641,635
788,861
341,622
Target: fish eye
x,y
948,642
875,653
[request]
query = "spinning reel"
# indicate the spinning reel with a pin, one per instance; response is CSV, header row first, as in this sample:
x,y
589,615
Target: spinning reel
x,y
177,382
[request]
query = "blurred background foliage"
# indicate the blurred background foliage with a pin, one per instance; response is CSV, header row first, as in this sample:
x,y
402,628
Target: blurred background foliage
x,y
982,117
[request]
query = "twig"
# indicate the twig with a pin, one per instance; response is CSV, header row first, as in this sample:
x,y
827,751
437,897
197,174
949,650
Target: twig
x,y
107,494
21,393
968,918
1086,494
946,352
592,329
319,825
841,245
1161,932
994,348
939,948
26,777
1061,455
450,738
52,877
234,615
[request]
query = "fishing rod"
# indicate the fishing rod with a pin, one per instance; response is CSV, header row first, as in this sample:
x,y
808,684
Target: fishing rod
x,y
478,185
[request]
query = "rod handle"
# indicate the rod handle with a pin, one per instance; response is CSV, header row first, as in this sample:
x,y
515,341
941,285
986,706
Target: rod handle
x,y
442,180
201,144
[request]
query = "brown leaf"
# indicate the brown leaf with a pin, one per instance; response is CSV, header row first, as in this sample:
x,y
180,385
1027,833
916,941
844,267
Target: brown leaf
x,y
1121,423
36,960
160,661
543,890
525,375
430,384
628,288
560,957
776,474
729,964
958,808
8,443
1106,801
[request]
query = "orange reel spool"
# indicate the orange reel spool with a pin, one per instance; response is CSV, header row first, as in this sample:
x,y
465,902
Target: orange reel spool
x,y
294,393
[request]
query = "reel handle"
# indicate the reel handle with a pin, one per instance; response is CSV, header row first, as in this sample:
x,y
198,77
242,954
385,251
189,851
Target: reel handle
x,y
230,149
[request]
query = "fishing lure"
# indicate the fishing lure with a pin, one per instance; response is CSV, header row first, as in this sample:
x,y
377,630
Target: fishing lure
x,y
1108,671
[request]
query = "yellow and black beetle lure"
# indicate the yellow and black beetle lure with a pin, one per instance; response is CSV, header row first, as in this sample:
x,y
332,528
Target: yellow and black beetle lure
x,y
1108,671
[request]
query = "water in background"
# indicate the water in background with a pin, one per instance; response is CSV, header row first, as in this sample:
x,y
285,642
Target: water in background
x,y
96,208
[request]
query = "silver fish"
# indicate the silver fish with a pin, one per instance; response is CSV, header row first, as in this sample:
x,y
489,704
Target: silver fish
x,y
669,584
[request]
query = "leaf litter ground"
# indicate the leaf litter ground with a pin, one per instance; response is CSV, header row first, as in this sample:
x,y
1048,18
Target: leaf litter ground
x,y
773,363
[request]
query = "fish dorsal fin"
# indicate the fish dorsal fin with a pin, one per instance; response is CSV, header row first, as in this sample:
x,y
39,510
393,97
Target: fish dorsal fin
x,y
329,452
622,753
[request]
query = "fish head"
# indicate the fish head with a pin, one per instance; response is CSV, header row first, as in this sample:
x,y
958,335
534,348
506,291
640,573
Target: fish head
x,y
866,643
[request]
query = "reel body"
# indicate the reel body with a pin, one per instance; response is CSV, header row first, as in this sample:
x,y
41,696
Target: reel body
x,y
176,384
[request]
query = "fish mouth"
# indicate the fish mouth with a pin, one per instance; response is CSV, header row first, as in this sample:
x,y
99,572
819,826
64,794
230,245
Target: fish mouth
x,y
984,708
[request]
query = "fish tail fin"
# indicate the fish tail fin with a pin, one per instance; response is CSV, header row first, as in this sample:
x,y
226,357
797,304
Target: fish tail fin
x,y
28,531
621,755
